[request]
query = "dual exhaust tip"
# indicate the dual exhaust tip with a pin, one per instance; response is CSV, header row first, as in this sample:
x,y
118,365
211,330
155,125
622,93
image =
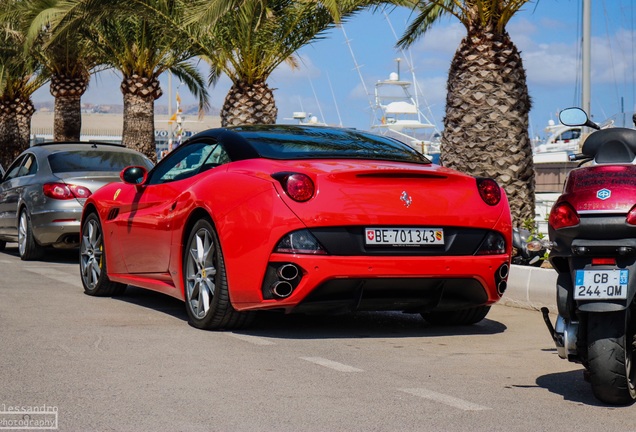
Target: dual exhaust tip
x,y
501,278
286,274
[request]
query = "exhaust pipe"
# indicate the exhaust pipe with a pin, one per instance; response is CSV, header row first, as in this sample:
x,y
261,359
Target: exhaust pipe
x,y
287,272
503,271
282,289
501,287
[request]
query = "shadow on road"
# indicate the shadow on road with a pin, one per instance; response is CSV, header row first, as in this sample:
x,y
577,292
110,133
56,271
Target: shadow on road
x,y
571,386
297,326
155,301
361,325
51,255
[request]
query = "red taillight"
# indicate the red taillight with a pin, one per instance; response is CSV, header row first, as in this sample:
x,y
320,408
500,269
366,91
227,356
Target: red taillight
x,y
298,186
604,261
489,191
563,215
64,191
631,216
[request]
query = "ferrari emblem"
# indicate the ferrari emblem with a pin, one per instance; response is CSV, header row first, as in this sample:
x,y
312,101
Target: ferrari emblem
x,y
116,194
406,199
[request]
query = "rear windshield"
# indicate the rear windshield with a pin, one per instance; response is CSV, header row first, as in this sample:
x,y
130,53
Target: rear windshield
x,y
317,143
95,160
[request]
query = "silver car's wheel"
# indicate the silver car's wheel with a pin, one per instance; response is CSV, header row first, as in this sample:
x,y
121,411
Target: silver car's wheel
x,y
27,247
205,282
93,261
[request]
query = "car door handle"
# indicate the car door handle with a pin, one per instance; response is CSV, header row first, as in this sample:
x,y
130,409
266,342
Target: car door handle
x,y
173,206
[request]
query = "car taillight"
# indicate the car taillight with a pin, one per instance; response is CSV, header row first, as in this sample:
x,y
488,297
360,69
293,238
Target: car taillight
x,y
563,216
631,216
64,191
297,186
489,191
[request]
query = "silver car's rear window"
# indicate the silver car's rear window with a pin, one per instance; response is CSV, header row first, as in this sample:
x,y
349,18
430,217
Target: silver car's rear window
x,y
94,160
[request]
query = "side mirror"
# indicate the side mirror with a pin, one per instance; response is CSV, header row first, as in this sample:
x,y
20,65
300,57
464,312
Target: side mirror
x,y
576,117
136,175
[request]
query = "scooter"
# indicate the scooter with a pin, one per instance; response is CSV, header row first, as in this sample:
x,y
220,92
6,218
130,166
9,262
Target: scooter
x,y
525,255
592,237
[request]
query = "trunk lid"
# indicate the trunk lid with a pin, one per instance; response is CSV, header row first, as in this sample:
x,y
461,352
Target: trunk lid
x,y
377,193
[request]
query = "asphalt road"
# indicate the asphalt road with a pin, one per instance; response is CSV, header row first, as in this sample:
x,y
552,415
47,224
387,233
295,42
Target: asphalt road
x,y
134,364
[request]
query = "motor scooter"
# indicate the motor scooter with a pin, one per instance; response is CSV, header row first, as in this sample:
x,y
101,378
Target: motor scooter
x,y
592,237
525,255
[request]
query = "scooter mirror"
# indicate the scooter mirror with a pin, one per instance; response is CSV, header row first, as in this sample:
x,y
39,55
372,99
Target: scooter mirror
x,y
573,117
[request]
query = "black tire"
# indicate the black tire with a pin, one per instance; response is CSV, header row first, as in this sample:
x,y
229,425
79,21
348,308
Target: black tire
x,y
93,270
3,245
611,357
205,282
458,317
28,249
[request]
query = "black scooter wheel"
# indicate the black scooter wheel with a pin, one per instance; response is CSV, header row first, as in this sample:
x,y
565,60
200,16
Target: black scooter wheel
x,y
611,357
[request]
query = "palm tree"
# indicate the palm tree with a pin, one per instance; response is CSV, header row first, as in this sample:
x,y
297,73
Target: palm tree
x,y
138,46
487,104
20,77
251,40
68,60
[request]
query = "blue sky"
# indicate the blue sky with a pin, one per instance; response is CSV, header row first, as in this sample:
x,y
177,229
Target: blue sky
x,y
546,32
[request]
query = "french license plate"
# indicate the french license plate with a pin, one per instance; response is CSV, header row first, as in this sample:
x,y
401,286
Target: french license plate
x,y
404,236
601,284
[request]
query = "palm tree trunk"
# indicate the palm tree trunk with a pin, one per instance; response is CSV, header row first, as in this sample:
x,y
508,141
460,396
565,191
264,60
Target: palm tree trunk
x,y
68,91
139,114
486,123
14,129
249,104
24,115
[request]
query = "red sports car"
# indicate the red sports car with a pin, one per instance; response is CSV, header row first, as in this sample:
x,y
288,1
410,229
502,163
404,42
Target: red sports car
x,y
300,219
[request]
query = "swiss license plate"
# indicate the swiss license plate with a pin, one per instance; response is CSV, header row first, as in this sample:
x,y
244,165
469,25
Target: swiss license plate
x,y
404,236
601,284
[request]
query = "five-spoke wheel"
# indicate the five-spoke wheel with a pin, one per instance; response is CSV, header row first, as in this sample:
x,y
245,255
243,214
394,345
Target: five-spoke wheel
x,y
93,261
27,247
205,281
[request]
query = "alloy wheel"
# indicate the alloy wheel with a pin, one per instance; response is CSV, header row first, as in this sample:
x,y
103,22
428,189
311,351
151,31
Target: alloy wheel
x,y
91,250
200,273
23,233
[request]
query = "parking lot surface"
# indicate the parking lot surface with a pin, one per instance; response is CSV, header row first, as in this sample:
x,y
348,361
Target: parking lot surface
x,y
133,363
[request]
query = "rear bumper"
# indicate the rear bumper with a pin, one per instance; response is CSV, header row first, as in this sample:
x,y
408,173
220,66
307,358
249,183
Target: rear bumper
x,y
415,284
57,227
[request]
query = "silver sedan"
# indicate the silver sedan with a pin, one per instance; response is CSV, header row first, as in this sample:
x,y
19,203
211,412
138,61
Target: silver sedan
x,y
43,191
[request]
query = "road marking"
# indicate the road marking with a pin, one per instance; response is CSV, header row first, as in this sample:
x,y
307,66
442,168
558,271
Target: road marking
x,y
255,340
445,399
340,367
56,275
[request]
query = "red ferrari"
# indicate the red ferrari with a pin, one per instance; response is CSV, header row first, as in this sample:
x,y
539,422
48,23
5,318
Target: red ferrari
x,y
300,219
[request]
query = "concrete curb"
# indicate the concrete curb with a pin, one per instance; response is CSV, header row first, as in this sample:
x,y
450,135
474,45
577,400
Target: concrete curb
x,y
531,288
